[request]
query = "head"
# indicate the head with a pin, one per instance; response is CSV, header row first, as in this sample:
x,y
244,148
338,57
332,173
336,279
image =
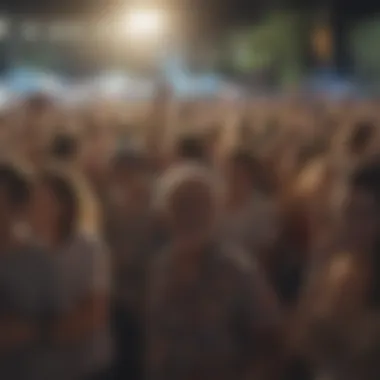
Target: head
x,y
54,209
129,175
309,154
362,210
64,148
38,103
189,197
244,174
191,149
14,197
212,140
361,138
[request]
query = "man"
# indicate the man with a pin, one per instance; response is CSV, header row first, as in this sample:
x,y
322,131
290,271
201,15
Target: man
x,y
26,286
131,233
210,312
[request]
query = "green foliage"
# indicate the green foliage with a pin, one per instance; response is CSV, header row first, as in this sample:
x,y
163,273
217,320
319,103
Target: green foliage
x,y
364,46
275,42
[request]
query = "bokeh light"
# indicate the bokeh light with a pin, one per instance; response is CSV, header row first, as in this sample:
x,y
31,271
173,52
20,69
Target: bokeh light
x,y
145,24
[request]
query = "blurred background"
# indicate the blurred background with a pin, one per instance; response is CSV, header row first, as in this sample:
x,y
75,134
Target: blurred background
x,y
198,46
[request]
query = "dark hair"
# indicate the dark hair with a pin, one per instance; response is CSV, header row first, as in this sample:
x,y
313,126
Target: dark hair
x,y
16,185
38,102
66,194
311,151
253,168
129,159
64,147
361,137
367,178
191,148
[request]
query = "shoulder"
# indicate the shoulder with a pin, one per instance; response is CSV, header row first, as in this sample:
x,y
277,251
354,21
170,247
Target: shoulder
x,y
88,246
263,205
87,241
237,259
30,252
32,260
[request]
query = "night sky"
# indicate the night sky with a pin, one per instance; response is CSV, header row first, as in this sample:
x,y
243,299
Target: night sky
x,y
205,19
218,11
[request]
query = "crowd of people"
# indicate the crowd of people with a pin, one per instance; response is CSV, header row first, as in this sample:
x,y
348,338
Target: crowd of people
x,y
216,240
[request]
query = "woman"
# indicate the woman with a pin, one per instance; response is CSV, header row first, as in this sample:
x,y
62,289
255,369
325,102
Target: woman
x,y
81,333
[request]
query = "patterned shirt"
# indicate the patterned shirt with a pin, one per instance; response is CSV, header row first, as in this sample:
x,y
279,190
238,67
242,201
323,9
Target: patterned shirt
x,y
204,328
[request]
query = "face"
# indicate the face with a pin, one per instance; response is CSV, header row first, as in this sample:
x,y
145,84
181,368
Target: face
x,y
361,217
192,212
45,211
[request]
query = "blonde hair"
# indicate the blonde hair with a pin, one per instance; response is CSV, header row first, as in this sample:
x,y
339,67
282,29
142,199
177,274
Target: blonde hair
x,y
88,205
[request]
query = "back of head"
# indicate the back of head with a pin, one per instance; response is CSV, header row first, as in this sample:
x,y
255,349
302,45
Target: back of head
x,y
367,177
38,103
15,185
129,158
64,148
361,137
66,194
254,170
191,148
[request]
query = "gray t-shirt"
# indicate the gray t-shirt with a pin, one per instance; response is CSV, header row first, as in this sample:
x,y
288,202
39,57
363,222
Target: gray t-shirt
x,y
27,291
83,272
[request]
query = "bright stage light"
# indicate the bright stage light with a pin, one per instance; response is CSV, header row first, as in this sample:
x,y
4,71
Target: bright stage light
x,y
141,24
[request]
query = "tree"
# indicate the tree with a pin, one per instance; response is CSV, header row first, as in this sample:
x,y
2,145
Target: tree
x,y
364,46
274,42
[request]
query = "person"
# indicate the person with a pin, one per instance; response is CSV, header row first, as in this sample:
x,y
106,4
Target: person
x,y
27,283
210,313
65,149
361,138
130,223
341,302
191,148
251,218
359,148
301,206
132,234
65,152
82,346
